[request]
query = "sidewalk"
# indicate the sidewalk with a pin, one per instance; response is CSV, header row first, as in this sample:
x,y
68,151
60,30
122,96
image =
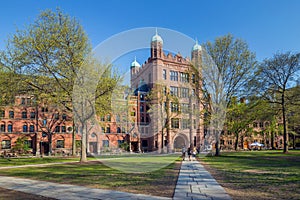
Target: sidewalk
x,y
66,191
195,182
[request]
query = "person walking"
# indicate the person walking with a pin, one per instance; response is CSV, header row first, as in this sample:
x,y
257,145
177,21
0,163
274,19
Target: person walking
x,y
189,153
183,153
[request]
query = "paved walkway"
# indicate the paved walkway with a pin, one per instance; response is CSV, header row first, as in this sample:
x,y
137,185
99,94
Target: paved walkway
x,y
194,182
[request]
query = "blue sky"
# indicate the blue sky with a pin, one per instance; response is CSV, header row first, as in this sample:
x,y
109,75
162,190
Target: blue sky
x,y
268,26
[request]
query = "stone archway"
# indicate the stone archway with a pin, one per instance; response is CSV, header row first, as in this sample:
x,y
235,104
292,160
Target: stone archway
x,y
180,141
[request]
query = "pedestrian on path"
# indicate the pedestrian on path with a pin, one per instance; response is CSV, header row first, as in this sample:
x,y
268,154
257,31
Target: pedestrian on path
x,y
189,153
183,153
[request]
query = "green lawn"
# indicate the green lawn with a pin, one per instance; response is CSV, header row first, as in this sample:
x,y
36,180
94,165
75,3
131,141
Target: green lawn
x,y
154,172
29,161
258,174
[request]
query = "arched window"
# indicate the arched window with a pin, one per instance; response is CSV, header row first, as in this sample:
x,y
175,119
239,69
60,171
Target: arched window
x,y
2,113
31,128
11,114
2,127
108,129
24,115
9,128
25,128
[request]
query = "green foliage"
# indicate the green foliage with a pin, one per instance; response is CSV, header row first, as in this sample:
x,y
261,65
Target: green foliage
x,y
21,147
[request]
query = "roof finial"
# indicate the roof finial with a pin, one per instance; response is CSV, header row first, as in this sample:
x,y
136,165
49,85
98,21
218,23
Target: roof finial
x,y
156,31
196,41
135,58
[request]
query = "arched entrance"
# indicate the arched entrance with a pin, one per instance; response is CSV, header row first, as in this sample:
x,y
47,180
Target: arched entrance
x,y
180,141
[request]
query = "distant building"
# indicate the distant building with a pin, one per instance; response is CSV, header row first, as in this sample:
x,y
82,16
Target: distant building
x,y
176,78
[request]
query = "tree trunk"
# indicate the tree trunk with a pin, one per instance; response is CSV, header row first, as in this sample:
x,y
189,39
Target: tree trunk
x,y
73,140
285,133
50,144
217,133
236,144
83,157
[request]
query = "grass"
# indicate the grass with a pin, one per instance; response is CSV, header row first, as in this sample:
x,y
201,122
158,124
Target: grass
x,y
257,174
115,174
32,161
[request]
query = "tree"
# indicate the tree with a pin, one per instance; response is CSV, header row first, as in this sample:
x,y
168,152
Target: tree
x,y
164,106
50,52
276,76
227,67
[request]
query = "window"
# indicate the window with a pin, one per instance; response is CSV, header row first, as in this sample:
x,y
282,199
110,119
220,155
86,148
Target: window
x,y
173,76
165,90
23,101
6,144
63,129
10,128
132,113
44,122
28,101
2,113
255,125
174,91
31,128
24,115
144,143
184,77
108,118
118,130
32,115
64,116
193,78
164,74
108,129
174,107
185,123
57,129
102,119
60,144
105,143
118,118
185,108
261,124
25,128
193,92
103,129
28,143
56,116
175,123
11,114
2,128
142,108
120,142
184,92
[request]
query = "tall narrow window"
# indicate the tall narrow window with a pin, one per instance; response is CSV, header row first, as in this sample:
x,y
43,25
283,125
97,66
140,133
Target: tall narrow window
x,y
11,114
164,74
24,115
25,128
2,113
32,115
10,128
63,129
31,128
2,128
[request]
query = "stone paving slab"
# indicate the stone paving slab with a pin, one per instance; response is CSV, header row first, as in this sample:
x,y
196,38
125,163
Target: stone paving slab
x,y
66,191
194,182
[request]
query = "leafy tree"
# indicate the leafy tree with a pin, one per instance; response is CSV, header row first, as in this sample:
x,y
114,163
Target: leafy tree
x,y
163,106
227,67
276,76
50,52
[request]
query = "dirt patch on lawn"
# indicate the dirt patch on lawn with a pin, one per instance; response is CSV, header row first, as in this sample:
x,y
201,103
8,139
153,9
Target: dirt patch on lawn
x,y
16,195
